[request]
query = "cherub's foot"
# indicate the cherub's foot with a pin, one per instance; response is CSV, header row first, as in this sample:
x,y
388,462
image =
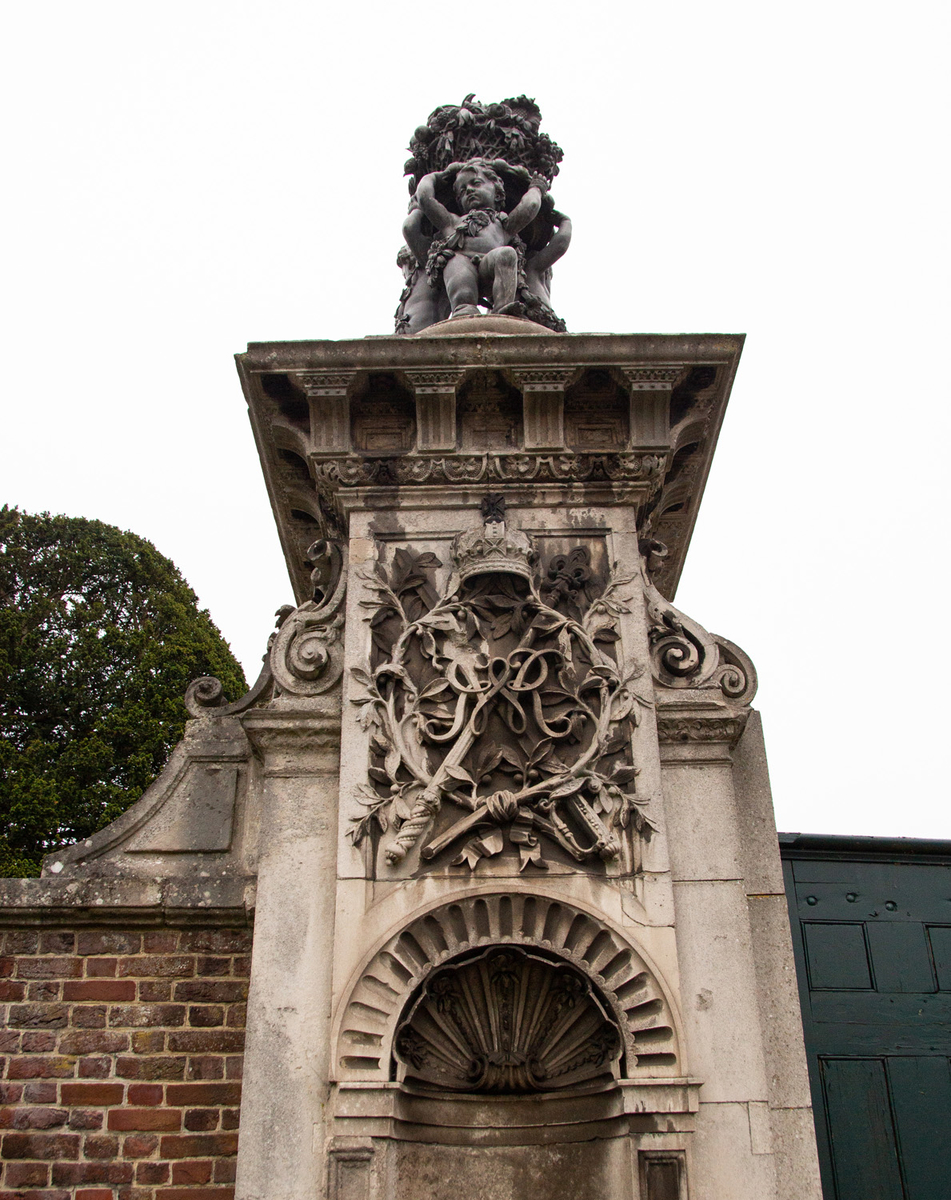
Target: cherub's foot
x,y
515,309
465,310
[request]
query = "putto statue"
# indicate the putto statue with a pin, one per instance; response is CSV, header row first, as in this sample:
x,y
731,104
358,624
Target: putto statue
x,y
482,228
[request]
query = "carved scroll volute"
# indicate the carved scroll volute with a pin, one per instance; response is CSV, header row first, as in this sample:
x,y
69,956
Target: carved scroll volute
x,y
307,654
683,653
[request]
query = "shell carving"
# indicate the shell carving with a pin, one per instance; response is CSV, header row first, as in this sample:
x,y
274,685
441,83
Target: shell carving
x,y
507,1020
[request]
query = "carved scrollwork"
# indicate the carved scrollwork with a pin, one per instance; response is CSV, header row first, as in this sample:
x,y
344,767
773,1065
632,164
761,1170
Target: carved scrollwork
x,y
306,656
205,696
683,653
507,1019
493,700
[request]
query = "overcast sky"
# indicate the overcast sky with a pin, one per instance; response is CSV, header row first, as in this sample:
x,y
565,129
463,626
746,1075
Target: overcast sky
x,y
184,178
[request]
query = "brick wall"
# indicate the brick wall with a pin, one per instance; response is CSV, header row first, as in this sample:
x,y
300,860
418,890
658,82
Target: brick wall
x,y
121,1055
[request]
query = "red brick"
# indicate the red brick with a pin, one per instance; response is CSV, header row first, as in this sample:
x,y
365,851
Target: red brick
x,y
197,1145
101,1145
94,1194
145,1093
193,1094
109,943
151,1172
44,990
10,989
40,1092
27,1174
205,1067
229,1118
234,1067
151,1068
217,941
40,1068
38,1041
225,1170
206,1041
38,1016
9,1042
136,1016
174,966
241,967
7,966
93,1041
212,991
100,989
40,1145
160,941
48,968
95,1068
145,1118
91,1093
155,991
10,1093
22,942
89,1016
101,968
139,1145
197,1193
237,1016
151,1041
86,1118
201,1120
65,1174
206,965
58,942
39,1118
206,1016
30,1194
192,1172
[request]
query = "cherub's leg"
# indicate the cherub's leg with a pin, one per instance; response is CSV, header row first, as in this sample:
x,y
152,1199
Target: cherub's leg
x,y
462,285
500,269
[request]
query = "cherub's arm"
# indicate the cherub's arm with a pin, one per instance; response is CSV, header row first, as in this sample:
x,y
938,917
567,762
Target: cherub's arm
x,y
527,208
556,246
440,216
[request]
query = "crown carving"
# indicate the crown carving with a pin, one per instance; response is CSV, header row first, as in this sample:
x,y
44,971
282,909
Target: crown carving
x,y
494,546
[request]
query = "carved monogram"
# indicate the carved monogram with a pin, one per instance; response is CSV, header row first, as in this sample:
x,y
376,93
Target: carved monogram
x,y
512,712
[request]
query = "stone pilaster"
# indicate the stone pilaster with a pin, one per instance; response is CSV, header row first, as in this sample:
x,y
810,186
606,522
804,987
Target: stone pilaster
x,y
329,409
650,402
281,1154
435,392
543,397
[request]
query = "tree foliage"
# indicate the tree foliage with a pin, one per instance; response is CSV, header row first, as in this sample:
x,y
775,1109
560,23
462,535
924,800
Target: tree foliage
x,y
99,637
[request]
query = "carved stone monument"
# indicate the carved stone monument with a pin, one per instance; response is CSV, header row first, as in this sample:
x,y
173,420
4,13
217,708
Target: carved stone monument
x,y
500,809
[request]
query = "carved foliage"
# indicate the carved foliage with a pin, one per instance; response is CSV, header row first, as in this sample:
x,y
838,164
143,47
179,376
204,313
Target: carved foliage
x,y
515,713
507,1019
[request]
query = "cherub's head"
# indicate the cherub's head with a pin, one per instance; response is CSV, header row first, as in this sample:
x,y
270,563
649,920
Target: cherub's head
x,y
478,186
406,261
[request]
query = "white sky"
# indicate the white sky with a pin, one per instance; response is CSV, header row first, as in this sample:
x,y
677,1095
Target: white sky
x,y
186,177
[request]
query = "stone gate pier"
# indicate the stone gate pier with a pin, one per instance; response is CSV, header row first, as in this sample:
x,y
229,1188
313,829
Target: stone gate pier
x,y
496,809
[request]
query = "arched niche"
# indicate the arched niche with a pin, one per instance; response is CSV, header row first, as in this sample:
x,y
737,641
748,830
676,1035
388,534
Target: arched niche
x,y
613,971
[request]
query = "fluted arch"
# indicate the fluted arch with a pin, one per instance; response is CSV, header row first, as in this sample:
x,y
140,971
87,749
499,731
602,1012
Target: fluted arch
x,y
378,993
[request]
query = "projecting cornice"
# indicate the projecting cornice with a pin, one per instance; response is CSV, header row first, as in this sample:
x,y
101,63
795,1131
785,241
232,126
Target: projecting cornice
x,y
573,419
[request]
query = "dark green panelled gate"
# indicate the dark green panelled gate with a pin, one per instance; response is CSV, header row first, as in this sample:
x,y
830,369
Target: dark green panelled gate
x,y
871,925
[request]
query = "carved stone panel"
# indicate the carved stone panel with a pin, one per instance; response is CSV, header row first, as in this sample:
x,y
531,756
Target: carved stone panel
x,y
499,708
383,418
597,413
489,414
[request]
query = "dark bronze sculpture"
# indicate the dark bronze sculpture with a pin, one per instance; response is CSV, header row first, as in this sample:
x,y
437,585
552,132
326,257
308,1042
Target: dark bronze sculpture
x,y
482,228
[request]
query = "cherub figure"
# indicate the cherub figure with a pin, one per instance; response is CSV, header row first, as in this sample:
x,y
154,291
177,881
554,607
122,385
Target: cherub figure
x,y
476,254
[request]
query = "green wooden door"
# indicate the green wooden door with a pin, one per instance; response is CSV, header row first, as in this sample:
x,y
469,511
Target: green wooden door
x,y
873,953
